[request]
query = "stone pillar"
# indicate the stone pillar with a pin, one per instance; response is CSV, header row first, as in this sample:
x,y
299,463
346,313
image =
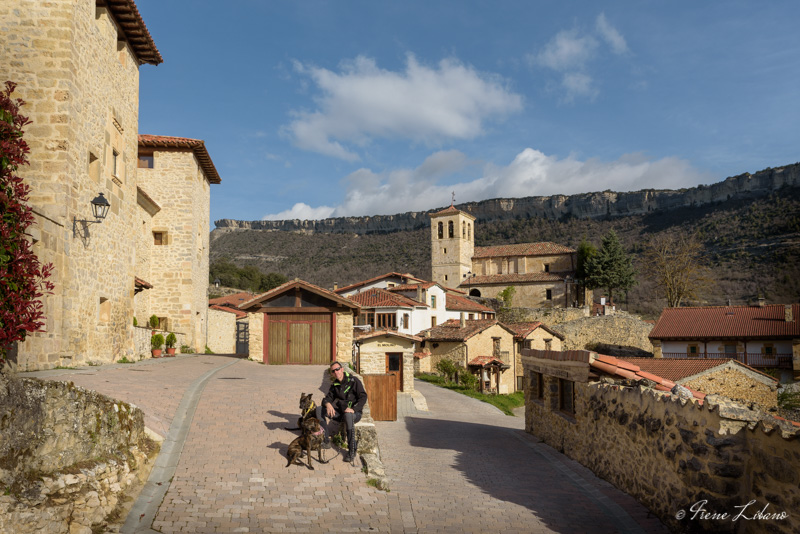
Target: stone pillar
x,y
657,349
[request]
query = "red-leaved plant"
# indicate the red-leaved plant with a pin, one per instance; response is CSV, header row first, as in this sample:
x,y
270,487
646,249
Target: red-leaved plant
x,y
23,280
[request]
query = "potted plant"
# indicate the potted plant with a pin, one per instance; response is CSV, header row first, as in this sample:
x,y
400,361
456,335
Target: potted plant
x,y
170,341
153,322
156,342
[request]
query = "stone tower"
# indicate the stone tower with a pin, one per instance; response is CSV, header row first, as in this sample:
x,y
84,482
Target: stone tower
x,y
452,246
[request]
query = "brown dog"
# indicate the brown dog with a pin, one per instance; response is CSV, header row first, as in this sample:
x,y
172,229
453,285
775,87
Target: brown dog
x,y
307,409
311,439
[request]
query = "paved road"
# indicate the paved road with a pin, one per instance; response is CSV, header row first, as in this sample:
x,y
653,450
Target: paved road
x,y
460,467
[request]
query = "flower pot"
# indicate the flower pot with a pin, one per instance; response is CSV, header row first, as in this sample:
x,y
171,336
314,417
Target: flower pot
x,y
156,353
170,351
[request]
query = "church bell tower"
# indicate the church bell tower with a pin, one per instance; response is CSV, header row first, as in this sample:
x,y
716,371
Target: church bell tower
x,y
452,246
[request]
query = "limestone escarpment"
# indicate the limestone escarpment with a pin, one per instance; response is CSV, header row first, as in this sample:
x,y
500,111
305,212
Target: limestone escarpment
x,y
587,205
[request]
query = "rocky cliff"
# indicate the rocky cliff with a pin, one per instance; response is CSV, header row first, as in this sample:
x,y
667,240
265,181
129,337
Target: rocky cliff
x,y
584,206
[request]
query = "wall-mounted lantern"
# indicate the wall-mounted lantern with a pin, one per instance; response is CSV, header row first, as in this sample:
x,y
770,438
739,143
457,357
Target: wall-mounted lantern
x,y
100,207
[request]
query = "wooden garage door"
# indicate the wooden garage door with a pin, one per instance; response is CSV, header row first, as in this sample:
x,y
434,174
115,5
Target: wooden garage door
x,y
298,338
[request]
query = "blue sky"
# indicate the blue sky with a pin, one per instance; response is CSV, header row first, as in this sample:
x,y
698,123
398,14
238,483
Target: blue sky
x,y
313,109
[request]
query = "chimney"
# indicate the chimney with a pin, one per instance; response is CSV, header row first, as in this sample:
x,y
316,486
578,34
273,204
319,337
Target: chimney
x,y
419,294
787,313
335,286
463,321
761,302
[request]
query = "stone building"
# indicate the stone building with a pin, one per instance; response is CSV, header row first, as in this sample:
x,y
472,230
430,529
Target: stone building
x,y
172,246
542,273
77,67
387,352
76,63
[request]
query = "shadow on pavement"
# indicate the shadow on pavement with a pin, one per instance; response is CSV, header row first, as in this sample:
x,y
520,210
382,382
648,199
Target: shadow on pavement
x,y
503,468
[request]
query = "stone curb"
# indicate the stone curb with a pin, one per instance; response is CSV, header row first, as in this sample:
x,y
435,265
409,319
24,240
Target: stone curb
x,y
144,510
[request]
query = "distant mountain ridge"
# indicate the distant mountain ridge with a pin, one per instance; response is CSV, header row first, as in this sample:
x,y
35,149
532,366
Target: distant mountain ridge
x,y
582,206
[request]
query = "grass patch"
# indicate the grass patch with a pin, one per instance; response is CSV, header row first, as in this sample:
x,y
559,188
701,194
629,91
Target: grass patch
x,y
125,359
64,367
506,403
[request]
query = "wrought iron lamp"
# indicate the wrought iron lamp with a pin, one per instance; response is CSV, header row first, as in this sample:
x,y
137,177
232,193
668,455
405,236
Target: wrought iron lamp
x,y
100,207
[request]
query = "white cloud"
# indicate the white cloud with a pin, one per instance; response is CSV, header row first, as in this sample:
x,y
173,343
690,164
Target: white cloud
x,y
573,54
567,50
531,173
610,35
423,104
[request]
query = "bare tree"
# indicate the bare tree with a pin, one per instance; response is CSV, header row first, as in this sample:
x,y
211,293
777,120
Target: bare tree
x,y
675,263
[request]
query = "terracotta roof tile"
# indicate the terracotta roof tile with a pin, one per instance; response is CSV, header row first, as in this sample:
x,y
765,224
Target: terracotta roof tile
x,y
134,30
274,292
375,279
680,368
485,279
451,330
483,361
138,282
459,303
232,300
380,298
621,368
451,210
727,322
378,333
412,287
239,313
184,143
545,248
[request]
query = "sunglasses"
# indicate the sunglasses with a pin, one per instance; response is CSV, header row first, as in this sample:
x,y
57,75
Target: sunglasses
x,y
336,369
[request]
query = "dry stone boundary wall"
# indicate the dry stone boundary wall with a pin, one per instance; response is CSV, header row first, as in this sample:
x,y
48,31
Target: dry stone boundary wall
x,y
619,334
671,454
67,456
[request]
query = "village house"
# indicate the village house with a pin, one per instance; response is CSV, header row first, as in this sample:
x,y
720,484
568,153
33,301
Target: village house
x,y
386,352
486,347
532,335
409,304
76,63
761,336
228,326
543,274
300,323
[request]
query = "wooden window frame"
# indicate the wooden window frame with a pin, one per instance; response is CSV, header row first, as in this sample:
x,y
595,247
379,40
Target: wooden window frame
x,y
566,396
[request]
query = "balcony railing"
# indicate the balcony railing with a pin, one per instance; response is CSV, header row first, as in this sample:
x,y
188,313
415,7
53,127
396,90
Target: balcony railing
x,y
753,359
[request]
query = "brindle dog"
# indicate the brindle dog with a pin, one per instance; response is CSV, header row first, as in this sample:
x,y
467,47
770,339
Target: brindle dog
x,y
307,409
311,439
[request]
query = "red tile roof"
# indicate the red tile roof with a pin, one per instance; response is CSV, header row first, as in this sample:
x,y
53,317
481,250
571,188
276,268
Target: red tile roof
x,y
232,300
138,282
486,279
359,335
452,331
483,361
274,292
375,279
412,287
679,368
451,210
130,21
618,367
184,143
380,298
727,322
459,303
238,313
544,248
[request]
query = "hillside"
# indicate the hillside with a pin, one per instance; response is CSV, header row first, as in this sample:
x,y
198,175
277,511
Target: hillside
x,y
753,247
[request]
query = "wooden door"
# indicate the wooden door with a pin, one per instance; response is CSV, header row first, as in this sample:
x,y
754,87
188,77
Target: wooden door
x,y
298,339
382,396
394,366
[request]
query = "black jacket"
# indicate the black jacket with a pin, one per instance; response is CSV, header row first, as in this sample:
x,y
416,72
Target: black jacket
x,y
349,393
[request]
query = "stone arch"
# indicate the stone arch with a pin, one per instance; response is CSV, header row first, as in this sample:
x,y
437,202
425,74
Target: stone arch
x,y
474,292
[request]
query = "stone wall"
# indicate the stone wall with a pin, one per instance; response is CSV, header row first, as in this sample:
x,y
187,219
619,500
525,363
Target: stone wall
x,y
671,454
81,82
221,332
738,383
344,336
67,456
256,343
618,335
178,268
549,316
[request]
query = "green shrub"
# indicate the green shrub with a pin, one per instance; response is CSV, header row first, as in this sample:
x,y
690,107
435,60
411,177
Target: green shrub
x,y
467,379
186,349
153,321
157,341
209,351
135,322
789,400
171,340
447,368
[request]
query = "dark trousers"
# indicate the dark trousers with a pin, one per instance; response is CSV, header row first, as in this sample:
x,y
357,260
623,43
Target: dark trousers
x,y
350,419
